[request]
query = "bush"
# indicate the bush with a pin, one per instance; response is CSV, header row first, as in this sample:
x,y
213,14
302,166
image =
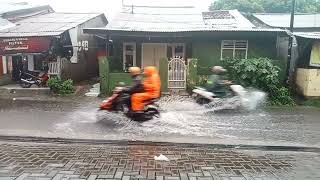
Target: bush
x,y
59,86
260,73
280,96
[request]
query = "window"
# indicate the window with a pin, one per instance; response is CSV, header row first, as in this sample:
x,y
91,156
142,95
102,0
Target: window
x,y
38,62
129,55
234,49
176,50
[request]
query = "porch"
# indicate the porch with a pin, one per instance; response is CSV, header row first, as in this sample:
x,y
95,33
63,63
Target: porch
x,y
15,91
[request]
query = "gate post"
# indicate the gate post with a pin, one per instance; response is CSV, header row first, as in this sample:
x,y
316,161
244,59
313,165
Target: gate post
x,y
163,71
192,74
103,73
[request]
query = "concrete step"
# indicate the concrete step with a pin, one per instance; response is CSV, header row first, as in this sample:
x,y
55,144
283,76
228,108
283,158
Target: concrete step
x,y
92,94
96,85
97,90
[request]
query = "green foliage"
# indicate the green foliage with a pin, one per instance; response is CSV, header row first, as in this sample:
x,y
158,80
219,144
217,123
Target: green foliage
x,y
280,96
267,6
315,102
59,86
259,73
255,72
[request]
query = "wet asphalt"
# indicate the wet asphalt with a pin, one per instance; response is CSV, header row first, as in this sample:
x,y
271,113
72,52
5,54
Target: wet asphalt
x,y
181,120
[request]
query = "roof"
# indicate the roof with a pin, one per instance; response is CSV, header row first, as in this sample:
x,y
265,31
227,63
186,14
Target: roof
x,y
47,25
7,7
283,20
308,35
4,24
156,19
226,19
176,19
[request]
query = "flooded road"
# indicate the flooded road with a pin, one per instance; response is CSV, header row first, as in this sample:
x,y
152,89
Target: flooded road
x,y
181,120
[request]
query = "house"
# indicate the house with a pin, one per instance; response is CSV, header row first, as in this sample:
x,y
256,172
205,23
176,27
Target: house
x,y
51,39
10,13
306,62
170,37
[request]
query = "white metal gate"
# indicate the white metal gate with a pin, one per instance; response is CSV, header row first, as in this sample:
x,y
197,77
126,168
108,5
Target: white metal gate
x,y
177,73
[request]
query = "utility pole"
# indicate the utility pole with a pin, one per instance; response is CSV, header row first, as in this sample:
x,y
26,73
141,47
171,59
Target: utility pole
x,y
290,42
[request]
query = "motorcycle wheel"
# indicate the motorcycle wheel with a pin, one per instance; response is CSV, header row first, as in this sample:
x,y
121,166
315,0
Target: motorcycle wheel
x,y
25,85
122,107
202,101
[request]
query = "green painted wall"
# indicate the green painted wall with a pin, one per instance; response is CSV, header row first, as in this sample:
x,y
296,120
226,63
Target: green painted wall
x,y
163,72
103,73
262,48
208,52
192,74
115,78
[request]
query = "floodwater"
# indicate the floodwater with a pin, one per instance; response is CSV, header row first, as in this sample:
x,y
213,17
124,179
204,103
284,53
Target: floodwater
x,y
181,120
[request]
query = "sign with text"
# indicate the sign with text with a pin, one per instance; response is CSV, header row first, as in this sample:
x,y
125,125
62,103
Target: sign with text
x,y
83,46
24,45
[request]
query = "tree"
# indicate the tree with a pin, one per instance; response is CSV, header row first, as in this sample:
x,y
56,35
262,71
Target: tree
x,y
267,6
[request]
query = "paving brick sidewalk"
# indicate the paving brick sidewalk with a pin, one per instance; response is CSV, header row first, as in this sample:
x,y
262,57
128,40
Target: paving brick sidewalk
x,y
135,161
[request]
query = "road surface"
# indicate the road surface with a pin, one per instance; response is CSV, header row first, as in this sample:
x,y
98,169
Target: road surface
x,y
181,121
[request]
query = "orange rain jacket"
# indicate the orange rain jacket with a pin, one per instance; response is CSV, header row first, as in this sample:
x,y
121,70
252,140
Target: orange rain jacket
x,y
151,86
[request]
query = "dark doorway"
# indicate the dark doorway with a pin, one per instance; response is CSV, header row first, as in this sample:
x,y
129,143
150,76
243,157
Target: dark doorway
x,y
18,64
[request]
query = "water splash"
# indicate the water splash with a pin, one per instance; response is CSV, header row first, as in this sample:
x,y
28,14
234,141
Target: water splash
x,y
252,99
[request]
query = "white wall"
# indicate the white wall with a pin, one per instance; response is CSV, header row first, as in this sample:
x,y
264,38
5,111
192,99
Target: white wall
x,y
30,63
4,65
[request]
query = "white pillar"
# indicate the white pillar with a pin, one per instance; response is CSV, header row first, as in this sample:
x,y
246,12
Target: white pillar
x,y
4,65
30,63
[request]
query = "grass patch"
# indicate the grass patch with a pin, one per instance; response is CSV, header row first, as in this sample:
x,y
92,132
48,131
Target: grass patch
x,y
315,102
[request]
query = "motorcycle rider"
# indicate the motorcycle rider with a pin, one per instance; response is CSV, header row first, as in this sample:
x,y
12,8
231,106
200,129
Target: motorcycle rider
x,y
215,83
151,87
137,81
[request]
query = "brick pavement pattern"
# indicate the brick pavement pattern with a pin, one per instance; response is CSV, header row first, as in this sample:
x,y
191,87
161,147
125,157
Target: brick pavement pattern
x,y
46,161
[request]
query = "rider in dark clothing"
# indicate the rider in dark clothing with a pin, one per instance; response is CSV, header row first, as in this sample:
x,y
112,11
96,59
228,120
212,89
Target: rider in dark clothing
x,y
137,81
215,82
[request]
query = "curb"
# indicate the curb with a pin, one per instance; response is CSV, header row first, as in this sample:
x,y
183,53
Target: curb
x,y
151,143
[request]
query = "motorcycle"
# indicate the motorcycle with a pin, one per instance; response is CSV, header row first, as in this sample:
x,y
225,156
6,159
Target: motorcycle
x,y
202,96
120,102
28,79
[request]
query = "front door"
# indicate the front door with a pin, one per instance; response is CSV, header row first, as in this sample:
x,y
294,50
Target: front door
x,y
152,53
17,66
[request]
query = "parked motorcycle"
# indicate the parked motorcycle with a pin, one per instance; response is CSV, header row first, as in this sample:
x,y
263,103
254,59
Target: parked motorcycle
x,y
28,79
120,102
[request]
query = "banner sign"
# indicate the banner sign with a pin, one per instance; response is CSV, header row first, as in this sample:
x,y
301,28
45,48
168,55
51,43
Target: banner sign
x,y
24,45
